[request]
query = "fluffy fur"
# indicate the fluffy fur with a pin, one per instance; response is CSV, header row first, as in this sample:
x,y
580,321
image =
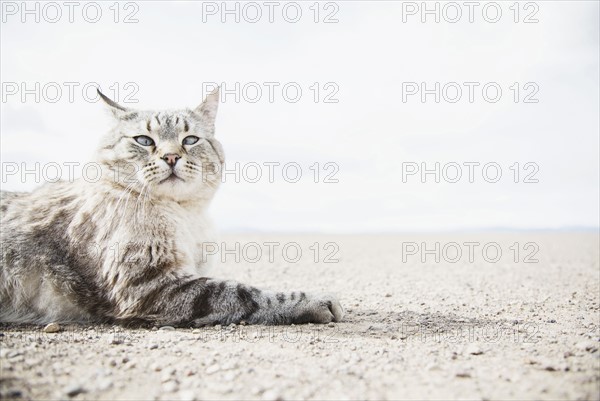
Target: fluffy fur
x,y
127,248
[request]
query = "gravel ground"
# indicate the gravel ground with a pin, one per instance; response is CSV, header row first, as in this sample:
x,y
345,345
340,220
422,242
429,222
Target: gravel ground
x,y
473,329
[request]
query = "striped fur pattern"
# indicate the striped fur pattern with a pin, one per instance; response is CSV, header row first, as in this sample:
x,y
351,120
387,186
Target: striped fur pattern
x,y
127,249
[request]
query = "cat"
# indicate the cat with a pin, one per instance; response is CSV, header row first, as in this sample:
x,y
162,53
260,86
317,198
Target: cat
x,y
127,248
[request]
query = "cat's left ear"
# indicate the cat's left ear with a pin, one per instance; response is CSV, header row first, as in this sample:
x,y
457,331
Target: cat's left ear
x,y
208,109
116,109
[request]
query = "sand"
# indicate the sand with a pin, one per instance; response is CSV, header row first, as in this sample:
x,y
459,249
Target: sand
x,y
453,329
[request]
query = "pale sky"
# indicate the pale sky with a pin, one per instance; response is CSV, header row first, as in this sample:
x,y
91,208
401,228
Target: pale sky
x,y
370,57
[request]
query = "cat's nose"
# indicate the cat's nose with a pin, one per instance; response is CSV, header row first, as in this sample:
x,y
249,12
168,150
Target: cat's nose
x,y
171,158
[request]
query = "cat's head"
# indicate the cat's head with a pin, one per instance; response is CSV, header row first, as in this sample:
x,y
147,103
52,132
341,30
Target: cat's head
x,y
164,154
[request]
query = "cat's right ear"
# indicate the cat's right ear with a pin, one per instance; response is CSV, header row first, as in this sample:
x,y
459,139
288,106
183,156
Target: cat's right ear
x,y
208,108
115,108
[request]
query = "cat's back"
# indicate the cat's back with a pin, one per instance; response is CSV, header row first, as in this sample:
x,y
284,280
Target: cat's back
x,y
32,227
7,198
17,209
29,219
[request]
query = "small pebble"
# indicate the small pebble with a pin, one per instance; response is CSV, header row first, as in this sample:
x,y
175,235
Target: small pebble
x,y
73,390
166,328
229,376
104,384
170,386
114,339
12,393
271,395
153,346
51,328
212,369
474,350
186,395
589,346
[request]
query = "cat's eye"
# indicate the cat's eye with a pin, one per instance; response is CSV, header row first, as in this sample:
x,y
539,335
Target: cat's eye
x,y
144,140
190,140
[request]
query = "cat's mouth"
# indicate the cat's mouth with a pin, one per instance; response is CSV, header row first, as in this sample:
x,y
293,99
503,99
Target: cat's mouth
x,y
172,178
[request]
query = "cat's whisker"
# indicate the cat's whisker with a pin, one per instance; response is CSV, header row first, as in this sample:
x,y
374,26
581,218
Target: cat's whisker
x,y
145,198
137,202
126,193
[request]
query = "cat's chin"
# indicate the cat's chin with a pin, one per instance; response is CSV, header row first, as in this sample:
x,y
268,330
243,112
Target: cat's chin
x,y
171,180
179,190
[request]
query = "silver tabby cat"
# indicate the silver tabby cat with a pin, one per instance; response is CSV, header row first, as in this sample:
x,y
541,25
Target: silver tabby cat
x,y
127,249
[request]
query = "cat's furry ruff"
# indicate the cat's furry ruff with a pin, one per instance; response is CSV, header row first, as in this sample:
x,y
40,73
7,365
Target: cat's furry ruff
x,y
127,249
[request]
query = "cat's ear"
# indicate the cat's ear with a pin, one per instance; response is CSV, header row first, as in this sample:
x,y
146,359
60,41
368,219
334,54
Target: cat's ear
x,y
115,108
208,108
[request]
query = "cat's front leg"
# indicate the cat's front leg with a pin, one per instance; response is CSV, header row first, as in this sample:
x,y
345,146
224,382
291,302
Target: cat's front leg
x,y
296,307
204,301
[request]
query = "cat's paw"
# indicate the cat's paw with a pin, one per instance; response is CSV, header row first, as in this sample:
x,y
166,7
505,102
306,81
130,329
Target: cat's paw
x,y
320,308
